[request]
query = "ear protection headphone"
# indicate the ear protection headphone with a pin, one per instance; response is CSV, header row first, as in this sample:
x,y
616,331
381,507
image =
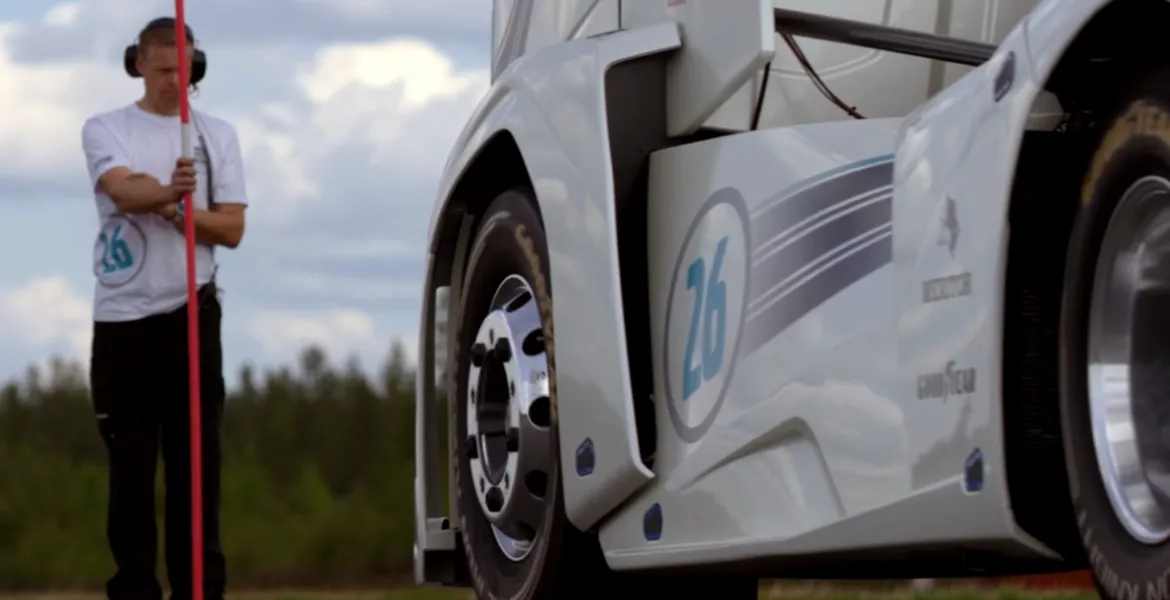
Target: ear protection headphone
x,y
199,66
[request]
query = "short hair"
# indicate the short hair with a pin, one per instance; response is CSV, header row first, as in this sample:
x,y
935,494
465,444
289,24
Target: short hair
x,y
159,36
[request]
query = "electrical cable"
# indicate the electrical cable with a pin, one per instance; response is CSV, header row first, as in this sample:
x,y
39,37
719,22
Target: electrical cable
x,y
821,86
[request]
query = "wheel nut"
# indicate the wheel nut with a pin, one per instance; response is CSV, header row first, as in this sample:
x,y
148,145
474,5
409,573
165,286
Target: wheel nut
x,y
494,499
472,448
513,439
503,350
478,352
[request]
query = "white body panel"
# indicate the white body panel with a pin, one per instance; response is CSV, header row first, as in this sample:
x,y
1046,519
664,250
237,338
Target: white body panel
x,y
574,185
818,442
822,432
523,26
726,43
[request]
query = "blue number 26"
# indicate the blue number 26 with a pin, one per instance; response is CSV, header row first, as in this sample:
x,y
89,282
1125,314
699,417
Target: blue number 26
x,y
115,252
711,311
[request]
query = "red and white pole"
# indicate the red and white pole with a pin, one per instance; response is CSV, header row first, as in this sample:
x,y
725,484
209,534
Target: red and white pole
x,y
192,318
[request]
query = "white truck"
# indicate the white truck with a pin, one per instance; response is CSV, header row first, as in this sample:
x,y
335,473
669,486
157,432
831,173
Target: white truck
x,y
737,289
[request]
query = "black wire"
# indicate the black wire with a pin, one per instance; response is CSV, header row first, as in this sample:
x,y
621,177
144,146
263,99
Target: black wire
x,y
760,99
816,79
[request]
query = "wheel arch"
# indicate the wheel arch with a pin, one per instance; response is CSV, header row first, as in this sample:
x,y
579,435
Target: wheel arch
x,y
1083,54
579,140
495,166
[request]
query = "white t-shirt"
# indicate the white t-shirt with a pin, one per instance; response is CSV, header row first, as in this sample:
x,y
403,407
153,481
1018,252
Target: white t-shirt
x,y
140,260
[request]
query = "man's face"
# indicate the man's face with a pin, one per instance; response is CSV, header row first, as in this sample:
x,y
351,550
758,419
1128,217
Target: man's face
x,y
159,66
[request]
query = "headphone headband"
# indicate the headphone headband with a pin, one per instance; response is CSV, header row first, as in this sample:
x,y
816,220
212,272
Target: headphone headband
x,y
199,58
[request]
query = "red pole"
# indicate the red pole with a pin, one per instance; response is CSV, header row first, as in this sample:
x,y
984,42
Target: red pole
x,y
192,320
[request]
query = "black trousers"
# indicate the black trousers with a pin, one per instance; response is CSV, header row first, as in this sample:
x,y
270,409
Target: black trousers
x,y
138,378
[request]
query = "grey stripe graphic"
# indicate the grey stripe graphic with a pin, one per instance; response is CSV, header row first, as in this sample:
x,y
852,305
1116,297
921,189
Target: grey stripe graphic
x,y
815,243
868,255
514,39
806,199
800,228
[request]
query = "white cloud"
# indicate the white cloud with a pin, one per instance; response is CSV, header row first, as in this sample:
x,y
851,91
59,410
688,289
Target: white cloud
x,y
353,287
343,146
63,15
424,73
44,107
399,100
342,330
48,315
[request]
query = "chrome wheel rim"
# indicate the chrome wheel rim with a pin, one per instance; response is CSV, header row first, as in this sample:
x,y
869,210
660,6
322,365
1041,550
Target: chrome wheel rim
x,y
508,414
1130,420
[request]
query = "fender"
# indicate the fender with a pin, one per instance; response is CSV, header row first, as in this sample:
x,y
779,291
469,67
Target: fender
x,y
552,104
955,168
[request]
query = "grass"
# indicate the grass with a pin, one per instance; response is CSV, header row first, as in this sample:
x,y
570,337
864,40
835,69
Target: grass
x,y
777,592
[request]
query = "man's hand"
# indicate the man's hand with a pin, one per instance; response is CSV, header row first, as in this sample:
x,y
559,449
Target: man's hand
x,y
182,178
168,211
221,226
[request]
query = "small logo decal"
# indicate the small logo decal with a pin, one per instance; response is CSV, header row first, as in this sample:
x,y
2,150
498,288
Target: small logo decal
x,y
1006,77
951,381
946,288
949,235
973,472
586,458
652,523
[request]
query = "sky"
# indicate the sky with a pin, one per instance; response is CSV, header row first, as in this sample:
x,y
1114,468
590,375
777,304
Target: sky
x,y
346,111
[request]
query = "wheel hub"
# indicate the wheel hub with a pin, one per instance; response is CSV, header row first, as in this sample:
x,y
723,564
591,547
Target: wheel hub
x,y
1129,360
509,440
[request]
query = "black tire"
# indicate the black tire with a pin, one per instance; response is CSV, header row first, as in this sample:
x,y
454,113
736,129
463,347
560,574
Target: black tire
x,y
1134,143
564,562
510,241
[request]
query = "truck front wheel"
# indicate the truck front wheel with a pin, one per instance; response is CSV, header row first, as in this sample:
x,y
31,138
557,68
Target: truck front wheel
x,y
518,541
507,471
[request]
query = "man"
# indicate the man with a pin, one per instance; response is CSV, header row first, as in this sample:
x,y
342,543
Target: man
x,y
138,373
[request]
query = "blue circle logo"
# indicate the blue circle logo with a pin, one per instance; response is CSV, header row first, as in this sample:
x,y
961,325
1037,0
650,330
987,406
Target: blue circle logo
x,y
118,252
706,311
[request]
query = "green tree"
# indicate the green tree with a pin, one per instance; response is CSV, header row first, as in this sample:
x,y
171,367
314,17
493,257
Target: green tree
x,y
317,482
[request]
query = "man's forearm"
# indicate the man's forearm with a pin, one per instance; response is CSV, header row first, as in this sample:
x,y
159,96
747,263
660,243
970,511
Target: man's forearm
x,y
140,193
216,228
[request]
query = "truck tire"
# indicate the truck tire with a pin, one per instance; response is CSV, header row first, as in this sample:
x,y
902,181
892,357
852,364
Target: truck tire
x,y
1115,346
518,542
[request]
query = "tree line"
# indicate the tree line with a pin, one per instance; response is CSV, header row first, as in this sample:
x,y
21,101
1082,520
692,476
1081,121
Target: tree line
x,y
317,479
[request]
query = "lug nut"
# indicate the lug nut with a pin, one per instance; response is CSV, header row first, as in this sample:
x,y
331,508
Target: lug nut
x,y
478,352
472,448
513,439
494,499
503,350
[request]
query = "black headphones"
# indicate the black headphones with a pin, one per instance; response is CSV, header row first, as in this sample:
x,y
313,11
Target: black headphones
x,y
199,66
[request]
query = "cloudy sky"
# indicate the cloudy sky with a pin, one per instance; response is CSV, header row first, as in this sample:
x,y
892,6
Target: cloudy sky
x,y
346,110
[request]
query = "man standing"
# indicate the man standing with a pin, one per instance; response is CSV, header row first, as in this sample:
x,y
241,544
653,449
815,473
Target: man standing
x,y
138,370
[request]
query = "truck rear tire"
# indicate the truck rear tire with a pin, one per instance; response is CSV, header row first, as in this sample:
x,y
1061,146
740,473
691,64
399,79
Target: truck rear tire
x,y
1115,349
518,542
